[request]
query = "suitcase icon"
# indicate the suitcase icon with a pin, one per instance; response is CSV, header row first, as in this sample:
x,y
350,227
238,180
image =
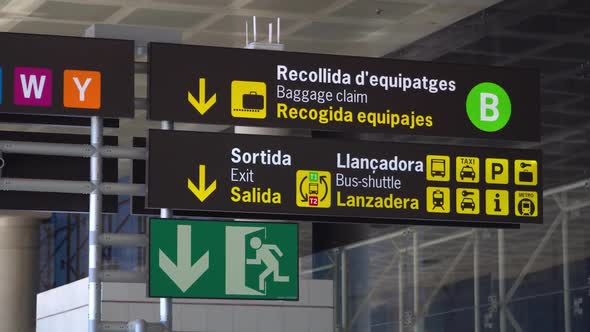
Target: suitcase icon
x,y
253,101
525,176
248,99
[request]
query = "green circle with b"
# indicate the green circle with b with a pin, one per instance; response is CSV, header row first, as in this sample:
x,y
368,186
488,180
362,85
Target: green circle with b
x,y
488,107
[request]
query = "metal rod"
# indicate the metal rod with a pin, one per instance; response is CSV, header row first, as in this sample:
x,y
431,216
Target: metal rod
x,y
534,255
445,239
335,258
400,289
376,239
254,28
513,321
95,228
133,326
124,152
140,103
72,187
446,276
567,187
122,276
367,300
131,189
416,262
476,315
113,327
343,291
166,303
317,269
501,280
566,271
71,150
48,149
123,240
278,30
577,206
139,325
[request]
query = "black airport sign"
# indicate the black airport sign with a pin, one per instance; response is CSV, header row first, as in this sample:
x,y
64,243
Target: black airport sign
x,y
68,76
288,177
200,84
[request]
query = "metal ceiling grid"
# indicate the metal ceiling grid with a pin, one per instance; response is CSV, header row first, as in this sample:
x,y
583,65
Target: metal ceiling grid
x,y
356,27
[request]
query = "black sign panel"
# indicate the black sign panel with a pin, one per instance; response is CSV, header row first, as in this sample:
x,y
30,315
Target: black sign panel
x,y
53,168
341,93
334,180
66,76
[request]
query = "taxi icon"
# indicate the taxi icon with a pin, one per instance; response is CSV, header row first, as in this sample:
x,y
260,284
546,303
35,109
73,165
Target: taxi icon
x,y
468,203
468,200
467,172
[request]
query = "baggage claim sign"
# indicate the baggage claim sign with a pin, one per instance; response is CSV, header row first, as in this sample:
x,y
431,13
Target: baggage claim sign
x,y
335,180
324,92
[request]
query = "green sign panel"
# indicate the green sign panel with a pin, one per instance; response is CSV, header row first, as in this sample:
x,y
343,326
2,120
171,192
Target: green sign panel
x,y
223,260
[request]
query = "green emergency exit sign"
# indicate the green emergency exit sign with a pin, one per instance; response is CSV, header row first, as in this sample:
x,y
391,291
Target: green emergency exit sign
x,y
223,260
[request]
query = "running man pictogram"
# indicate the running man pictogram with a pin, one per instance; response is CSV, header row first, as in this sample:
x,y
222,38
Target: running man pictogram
x,y
265,256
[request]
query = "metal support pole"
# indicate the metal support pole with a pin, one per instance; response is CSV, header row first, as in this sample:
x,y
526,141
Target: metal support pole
x,y
95,228
416,262
566,271
166,303
335,286
139,325
476,318
501,280
343,291
400,292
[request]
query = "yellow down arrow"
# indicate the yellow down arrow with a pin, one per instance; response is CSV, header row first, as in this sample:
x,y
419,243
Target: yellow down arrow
x,y
202,191
203,104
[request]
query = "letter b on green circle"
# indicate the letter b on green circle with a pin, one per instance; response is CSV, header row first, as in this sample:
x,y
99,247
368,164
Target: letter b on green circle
x,y
488,107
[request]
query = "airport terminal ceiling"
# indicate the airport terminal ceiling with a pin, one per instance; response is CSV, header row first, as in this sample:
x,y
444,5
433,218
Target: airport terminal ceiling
x,y
553,36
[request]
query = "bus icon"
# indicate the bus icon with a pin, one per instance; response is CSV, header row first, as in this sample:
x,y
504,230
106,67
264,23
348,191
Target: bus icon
x,y
438,167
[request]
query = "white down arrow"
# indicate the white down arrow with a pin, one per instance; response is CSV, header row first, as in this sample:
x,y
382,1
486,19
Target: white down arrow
x,y
184,273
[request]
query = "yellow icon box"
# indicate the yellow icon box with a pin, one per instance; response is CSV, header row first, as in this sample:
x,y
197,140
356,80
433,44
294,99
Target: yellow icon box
x,y
467,200
526,204
497,171
525,172
313,189
467,169
438,200
497,202
438,168
248,99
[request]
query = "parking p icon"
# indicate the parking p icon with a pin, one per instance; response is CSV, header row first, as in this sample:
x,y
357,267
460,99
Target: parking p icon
x,y
496,171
